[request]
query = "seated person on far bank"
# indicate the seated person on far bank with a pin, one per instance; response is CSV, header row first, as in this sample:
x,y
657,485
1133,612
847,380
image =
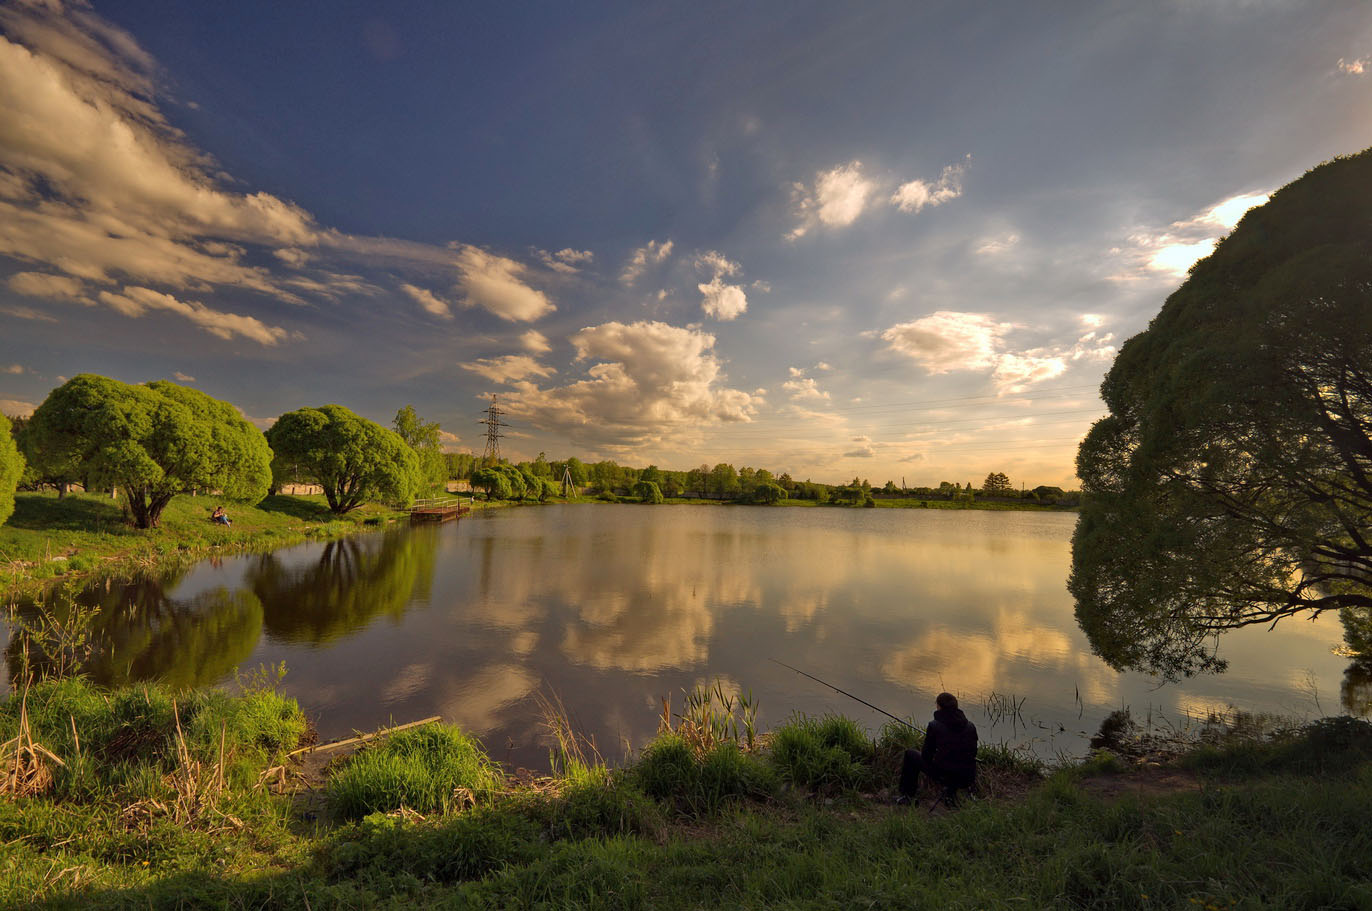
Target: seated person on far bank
x,y
219,516
949,756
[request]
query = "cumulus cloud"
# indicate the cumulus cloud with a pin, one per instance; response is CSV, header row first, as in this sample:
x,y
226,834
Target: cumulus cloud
x,y
535,341
1356,67
428,300
182,378
804,388
835,199
949,340
914,195
508,368
56,287
135,301
493,283
650,254
566,260
646,380
16,409
720,299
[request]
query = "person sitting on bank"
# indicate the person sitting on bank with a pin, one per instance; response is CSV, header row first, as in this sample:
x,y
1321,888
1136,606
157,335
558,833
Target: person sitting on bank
x,y
219,516
949,756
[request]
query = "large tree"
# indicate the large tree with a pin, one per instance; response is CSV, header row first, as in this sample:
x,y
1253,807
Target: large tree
x,y
151,441
1231,483
352,458
426,440
11,467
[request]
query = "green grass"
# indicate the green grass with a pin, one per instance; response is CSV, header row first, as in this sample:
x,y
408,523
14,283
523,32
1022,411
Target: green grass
x,y
83,534
429,769
1277,823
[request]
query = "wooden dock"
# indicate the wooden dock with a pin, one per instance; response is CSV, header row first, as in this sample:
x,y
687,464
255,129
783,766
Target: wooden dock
x,y
438,509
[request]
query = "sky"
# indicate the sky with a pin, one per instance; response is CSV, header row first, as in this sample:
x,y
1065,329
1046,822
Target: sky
x,y
893,241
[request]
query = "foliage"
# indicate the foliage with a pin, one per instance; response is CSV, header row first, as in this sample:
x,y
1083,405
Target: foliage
x,y
352,458
828,752
702,784
997,484
426,441
11,469
768,493
151,441
647,492
1231,483
428,769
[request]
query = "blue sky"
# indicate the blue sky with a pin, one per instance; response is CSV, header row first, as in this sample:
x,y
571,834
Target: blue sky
x,y
890,240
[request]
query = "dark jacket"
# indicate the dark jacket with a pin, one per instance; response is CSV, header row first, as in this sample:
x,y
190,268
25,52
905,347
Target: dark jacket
x,y
950,745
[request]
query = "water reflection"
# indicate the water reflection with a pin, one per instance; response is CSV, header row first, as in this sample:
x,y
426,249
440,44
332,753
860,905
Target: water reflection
x,y
142,633
354,581
613,607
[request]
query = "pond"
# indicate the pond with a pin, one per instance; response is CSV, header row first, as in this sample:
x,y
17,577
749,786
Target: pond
x,y
612,607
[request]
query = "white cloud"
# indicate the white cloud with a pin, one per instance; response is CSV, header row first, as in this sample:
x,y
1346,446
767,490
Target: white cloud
x,y
948,340
566,260
916,194
135,301
1229,212
650,254
992,246
13,369
535,341
492,283
448,441
292,256
646,381
719,299
56,287
16,409
862,452
428,300
182,378
1357,67
804,388
1173,251
508,368
1178,258
836,199
28,313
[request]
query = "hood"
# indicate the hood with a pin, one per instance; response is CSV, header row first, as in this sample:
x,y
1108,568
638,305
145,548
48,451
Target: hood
x,y
953,718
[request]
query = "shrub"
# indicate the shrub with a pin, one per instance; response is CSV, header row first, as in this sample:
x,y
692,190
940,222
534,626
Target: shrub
x,y
428,769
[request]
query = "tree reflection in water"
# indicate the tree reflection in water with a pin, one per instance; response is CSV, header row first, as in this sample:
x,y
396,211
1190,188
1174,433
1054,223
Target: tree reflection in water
x,y
138,632
355,581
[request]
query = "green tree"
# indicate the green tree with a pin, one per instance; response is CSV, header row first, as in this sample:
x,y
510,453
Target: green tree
x,y
647,492
768,493
996,485
355,460
11,469
1231,483
151,441
493,482
426,441
724,481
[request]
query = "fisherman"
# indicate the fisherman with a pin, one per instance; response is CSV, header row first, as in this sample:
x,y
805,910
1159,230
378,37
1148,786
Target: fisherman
x,y
949,756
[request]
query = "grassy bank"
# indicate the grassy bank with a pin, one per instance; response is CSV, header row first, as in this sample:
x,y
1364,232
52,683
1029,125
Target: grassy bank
x,y
86,534
170,801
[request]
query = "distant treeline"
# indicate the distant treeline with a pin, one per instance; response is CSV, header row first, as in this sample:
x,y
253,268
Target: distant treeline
x,y
611,480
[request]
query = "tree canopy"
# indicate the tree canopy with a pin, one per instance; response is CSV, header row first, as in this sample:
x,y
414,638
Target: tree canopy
x,y
151,441
424,438
1231,483
11,468
352,458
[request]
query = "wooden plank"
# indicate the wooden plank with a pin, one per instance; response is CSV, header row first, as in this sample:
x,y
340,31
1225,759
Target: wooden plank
x,y
363,738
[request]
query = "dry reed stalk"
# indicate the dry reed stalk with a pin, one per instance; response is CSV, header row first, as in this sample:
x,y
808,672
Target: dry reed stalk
x,y
26,769
197,788
571,747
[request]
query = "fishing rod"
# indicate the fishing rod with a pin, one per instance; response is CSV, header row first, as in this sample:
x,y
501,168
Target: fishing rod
x,y
845,693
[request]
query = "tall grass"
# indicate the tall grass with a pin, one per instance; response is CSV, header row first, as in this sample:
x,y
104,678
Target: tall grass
x,y
434,768
832,752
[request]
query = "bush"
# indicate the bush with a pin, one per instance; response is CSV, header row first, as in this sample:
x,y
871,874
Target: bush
x,y
426,769
670,771
829,752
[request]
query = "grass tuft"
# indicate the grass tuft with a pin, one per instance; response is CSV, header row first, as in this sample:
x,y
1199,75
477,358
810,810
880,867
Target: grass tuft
x,y
431,769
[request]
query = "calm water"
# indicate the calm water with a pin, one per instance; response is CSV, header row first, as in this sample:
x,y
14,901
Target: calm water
x,y
613,607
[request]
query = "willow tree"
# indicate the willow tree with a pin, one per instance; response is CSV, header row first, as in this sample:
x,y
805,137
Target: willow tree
x,y
11,467
151,441
1231,483
355,460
